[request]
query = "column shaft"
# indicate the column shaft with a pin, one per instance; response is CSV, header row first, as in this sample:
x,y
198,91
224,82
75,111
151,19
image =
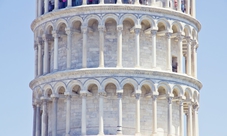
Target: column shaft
x,y
39,59
190,120
180,55
101,2
119,2
38,120
195,60
195,120
68,114
46,56
119,127
188,7
153,32
169,56
101,46
167,4
154,114
193,9
179,5
137,38
40,8
181,113
189,57
55,51
69,46
44,119
56,4
69,2
119,46
34,120
153,2
101,124
37,8
54,115
84,2
169,116
83,121
137,114
36,61
46,2
84,57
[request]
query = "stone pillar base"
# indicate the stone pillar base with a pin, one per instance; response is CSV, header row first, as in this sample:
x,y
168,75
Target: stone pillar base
x,y
154,134
101,134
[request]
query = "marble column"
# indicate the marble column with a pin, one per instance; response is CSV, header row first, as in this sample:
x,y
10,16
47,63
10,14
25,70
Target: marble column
x,y
119,46
101,121
68,114
44,118
119,2
195,119
193,8
56,4
153,2
101,46
188,7
55,35
181,114
54,114
84,113
180,55
40,68
137,2
34,120
189,56
153,34
138,114
195,59
154,115
166,3
36,60
169,56
84,2
69,3
119,127
179,5
46,4
38,119
190,120
69,46
40,8
84,57
169,100
101,2
37,8
46,55
137,41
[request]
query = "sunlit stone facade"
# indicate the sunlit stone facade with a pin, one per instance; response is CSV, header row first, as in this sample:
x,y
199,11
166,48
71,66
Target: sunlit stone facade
x,y
115,68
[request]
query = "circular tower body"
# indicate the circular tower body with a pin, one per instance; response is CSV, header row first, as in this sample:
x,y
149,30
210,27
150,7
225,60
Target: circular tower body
x,y
115,67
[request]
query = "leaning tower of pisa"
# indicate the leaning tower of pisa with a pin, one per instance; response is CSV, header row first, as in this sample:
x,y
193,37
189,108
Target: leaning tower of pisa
x,y
115,67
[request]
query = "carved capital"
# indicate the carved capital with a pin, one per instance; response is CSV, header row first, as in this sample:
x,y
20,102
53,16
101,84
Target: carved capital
x,y
68,31
102,94
170,99
180,37
137,30
119,28
84,29
168,35
55,34
119,95
154,97
102,28
188,39
137,95
83,95
153,32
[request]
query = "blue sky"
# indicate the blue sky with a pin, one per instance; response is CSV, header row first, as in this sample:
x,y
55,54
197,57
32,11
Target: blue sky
x,y
17,67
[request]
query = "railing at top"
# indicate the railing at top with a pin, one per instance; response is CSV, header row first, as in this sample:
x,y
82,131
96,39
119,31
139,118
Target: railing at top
x,y
185,6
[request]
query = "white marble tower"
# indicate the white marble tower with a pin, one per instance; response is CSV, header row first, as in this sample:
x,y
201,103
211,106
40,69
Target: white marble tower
x,y
115,67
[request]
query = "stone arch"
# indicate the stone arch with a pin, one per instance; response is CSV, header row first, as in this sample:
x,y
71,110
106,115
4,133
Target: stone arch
x,y
177,89
129,81
60,22
73,83
196,96
90,17
57,87
92,81
110,16
187,30
165,86
46,89
111,80
40,32
178,26
148,19
165,22
148,83
48,26
76,18
38,92
194,34
188,93
129,16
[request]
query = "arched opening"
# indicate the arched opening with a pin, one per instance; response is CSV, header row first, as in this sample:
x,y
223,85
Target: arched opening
x,y
110,46
128,109
77,45
49,35
93,44
161,27
129,49
77,2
